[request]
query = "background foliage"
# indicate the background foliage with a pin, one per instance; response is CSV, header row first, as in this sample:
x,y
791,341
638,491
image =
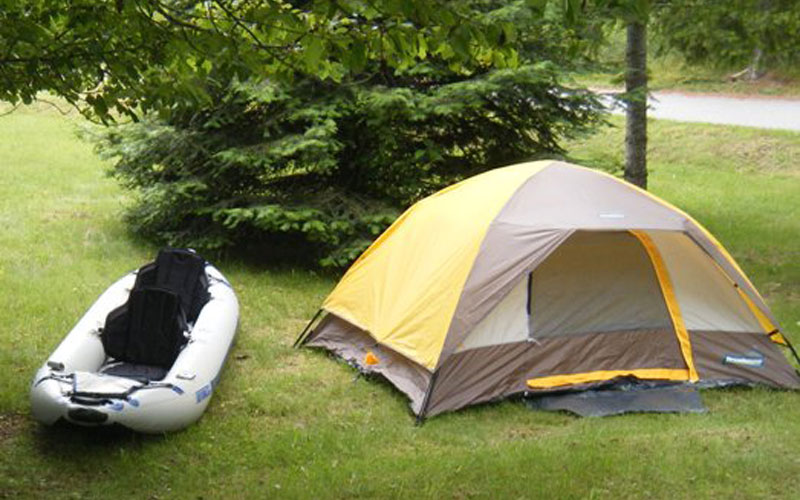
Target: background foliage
x,y
726,33
319,167
137,56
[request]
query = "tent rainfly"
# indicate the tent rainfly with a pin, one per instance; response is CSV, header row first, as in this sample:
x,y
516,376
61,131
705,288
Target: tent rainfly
x,y
546,276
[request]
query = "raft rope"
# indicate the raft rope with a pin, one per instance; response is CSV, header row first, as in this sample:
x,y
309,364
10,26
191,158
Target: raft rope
x,y
70,379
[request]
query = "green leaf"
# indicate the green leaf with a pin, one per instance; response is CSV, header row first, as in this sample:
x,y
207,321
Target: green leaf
x,y
314,50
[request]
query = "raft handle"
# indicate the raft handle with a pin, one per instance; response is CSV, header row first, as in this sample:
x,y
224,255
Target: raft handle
x,y
55,366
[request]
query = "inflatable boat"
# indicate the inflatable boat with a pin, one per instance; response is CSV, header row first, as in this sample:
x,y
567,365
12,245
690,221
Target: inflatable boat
x,y
147,354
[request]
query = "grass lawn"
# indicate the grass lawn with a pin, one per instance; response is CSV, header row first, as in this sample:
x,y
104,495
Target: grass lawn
x,y
288,423
669,72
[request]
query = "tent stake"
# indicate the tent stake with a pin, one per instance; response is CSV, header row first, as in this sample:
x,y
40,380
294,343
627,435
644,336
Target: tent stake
x,y
305,331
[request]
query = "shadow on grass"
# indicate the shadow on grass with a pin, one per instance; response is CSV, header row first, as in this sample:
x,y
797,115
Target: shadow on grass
x,y
11,424
65,441
254,255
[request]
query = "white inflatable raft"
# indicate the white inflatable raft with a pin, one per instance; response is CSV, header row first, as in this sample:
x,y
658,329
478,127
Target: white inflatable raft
x,y
82,383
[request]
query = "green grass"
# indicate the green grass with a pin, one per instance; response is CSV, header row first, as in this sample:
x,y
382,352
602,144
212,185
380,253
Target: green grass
x,y
288,423
669,72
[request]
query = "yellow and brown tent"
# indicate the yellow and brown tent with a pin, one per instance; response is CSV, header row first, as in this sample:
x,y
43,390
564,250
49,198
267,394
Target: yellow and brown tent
x,y
543,276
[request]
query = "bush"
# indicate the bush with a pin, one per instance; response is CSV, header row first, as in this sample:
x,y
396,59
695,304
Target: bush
x,y
318,169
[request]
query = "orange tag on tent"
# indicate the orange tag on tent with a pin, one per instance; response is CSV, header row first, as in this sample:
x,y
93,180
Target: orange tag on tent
x,y
371,359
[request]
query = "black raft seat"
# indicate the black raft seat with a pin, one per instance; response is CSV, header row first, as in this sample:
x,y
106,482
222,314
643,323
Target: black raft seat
x,y
145,335
141,373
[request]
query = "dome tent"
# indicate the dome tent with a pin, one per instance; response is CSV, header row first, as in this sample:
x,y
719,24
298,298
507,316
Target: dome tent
x,y
547,276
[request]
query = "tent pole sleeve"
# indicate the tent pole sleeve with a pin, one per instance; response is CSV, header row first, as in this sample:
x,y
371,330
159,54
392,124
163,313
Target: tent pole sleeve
x,y
424,408
301,338
671,300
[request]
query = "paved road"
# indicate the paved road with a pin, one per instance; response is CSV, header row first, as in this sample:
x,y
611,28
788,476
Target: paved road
x,y
746,111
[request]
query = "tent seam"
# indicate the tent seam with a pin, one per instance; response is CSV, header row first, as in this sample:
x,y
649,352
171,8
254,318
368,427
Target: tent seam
x,y
441,359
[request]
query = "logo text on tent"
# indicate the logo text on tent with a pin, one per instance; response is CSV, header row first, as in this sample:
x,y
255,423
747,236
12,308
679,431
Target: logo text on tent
x,y
755,360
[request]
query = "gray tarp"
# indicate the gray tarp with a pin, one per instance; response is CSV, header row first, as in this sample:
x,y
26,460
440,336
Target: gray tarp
x,y
625,399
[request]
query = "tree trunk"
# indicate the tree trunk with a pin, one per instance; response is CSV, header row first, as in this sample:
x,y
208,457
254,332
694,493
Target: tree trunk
x,y
636,104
